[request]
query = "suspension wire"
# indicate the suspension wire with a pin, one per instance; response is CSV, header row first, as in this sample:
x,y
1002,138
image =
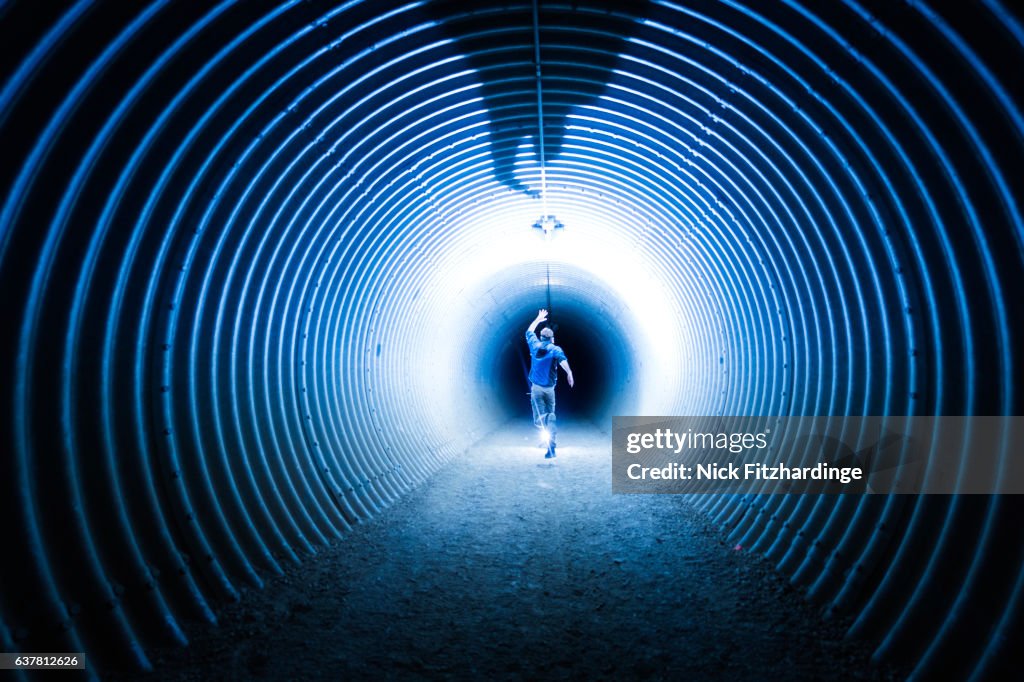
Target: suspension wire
x,y
540,109
540,132
540,141
548,266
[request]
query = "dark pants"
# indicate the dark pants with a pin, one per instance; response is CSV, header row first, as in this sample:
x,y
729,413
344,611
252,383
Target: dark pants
x,y
542,398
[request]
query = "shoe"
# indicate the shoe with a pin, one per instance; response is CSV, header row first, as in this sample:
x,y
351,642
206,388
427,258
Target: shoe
x,y
550,454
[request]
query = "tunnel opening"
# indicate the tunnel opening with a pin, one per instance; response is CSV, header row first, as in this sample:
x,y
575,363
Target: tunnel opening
x,y
595,329
593,351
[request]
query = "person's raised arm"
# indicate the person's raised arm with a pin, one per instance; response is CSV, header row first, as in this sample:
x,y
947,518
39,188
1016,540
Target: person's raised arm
x,y
564,364
541,316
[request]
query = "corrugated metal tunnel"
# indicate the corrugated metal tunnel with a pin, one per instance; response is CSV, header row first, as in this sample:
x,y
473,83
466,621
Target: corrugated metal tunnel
x,y
266,267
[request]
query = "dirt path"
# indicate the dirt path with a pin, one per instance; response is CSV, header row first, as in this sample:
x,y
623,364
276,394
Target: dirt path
x,y
502,568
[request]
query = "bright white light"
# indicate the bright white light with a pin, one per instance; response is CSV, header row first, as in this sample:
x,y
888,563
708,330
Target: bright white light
x,y
595,245
602,240
545,436
548,224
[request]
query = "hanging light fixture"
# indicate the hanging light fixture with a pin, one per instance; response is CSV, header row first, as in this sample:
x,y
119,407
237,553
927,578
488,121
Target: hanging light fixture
x,y
548,224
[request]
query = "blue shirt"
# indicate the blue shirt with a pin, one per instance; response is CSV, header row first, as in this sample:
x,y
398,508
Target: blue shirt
x,y
544,359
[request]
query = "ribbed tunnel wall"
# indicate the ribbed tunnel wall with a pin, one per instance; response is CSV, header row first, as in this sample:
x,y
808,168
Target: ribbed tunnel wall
x,y
256,257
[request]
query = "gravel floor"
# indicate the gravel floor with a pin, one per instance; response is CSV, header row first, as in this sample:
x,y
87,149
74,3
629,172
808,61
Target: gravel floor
x,y
498,567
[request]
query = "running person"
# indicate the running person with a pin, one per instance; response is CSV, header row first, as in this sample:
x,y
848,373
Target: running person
x,y
545,359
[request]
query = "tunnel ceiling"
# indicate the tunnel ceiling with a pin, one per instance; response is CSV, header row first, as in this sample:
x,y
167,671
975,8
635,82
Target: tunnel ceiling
x,y
240,241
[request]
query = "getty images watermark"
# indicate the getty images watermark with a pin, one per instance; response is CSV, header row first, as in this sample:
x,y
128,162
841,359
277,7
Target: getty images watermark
x,y
889,455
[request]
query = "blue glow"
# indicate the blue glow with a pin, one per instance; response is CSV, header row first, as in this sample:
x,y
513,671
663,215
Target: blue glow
x,y
266,271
